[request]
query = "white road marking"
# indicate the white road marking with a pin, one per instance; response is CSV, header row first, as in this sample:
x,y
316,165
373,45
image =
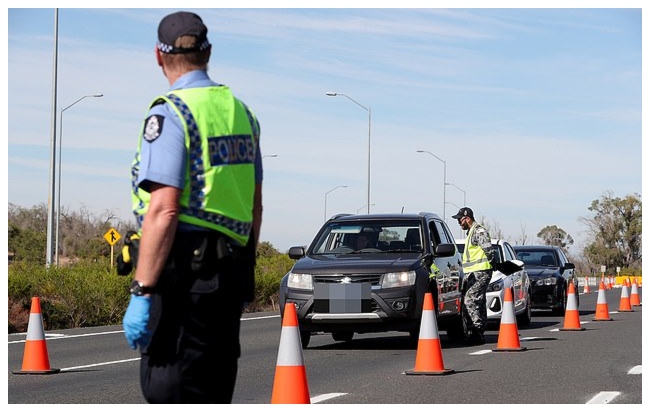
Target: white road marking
x,y
603,397
99,364
635,370
326,396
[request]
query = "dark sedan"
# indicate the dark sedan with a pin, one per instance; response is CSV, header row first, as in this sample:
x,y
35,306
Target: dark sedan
x,y
550,272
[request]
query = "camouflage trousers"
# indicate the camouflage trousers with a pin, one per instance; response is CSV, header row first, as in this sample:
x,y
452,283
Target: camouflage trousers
x,y
474,299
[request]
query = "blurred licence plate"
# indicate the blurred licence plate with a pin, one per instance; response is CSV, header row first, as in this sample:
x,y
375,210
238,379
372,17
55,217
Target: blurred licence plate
x,y
342,298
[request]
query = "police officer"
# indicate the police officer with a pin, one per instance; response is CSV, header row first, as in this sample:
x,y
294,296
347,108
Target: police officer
x,y
197,184
477,266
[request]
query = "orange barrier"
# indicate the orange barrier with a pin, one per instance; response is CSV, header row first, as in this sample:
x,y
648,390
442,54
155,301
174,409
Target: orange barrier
x,y
602,309
35,358
571,313
428,359
290,382
508,332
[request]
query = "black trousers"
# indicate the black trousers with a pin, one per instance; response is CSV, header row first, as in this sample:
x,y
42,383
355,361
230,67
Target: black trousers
x,y
195,320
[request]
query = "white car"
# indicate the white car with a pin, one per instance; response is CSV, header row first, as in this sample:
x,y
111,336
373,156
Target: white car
x,y
518,282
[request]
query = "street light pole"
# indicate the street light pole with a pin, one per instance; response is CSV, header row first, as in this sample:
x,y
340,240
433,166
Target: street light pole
x,y
464,193
444,181
359,209
458,207
326,193
369,116
52,180
58,195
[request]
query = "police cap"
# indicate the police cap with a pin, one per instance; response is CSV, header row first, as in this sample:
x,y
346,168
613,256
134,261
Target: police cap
x,y
180,24
464,211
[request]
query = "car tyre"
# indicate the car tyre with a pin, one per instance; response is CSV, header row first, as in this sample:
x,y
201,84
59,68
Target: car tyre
x,y
458,331
305,336
525,317
343,336
560,309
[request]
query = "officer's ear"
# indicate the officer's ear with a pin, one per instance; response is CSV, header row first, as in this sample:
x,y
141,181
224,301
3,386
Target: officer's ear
x,y
158,56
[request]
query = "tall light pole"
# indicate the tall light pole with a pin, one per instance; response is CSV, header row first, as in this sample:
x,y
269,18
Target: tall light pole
x,y
369,115
52,183
464,193
58,195
326,193
359,209
444,181
458,207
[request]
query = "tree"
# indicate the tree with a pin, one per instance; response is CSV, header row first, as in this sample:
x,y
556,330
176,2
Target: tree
x,y
555,236
616,231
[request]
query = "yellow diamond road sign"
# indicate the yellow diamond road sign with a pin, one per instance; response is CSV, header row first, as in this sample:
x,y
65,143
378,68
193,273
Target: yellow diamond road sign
x,y
112,236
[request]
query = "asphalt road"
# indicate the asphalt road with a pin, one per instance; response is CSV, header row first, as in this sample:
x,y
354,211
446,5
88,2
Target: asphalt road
x,y
600,364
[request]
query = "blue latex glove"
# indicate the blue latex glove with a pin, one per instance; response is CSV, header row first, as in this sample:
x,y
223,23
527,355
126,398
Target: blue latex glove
x,y
135,321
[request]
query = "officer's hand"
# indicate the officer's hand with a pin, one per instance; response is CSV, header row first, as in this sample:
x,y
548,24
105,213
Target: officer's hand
x,y
135,321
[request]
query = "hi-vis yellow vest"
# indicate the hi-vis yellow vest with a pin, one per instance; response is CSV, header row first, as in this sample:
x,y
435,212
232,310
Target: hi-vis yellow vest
x,y
220,173
474,259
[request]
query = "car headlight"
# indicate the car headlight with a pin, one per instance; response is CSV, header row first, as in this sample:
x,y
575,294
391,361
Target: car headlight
x,y
300,281
546,281
398,279
495,286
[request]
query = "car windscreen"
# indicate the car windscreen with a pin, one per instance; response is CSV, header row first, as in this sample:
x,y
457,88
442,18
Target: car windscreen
x,y
537,257
369,236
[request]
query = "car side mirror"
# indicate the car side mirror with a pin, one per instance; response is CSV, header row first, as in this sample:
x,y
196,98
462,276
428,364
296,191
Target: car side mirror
x,y
296,252
445,250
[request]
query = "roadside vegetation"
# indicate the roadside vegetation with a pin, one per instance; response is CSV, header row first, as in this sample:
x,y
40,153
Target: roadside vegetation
x,y
83,289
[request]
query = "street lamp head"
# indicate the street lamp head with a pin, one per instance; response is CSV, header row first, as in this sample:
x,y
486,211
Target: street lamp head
x,y
98,95
331,93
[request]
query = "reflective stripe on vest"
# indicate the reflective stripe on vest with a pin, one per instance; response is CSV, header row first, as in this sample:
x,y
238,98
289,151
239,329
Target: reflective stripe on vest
x,y
474,258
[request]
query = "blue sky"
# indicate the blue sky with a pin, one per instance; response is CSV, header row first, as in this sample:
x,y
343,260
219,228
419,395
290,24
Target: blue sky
x,y
532,113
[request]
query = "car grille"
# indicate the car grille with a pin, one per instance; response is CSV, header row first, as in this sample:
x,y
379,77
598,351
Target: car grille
x,y
373,279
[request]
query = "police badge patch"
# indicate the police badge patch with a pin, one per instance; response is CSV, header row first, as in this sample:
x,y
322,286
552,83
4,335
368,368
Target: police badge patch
x,y
153,127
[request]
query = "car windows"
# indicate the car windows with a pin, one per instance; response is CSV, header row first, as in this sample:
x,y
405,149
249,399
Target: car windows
x,y
498,253
381,235
537,257
509,252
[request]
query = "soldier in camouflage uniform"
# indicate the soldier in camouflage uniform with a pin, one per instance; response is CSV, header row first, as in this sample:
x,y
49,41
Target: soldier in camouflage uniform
x,y
478,258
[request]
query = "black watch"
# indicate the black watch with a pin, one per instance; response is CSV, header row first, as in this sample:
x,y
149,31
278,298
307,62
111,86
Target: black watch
x,y
138,289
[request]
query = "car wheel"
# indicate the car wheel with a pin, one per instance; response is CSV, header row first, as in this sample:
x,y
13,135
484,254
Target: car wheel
x,y
305,336
559,310
458,330
343,336
525,317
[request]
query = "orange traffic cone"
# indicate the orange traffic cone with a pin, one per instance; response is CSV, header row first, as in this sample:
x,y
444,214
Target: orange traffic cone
x,y
625,305
610,283
428,359
602,309
586,289
571,313
508,332
634,296
35,359
290,382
